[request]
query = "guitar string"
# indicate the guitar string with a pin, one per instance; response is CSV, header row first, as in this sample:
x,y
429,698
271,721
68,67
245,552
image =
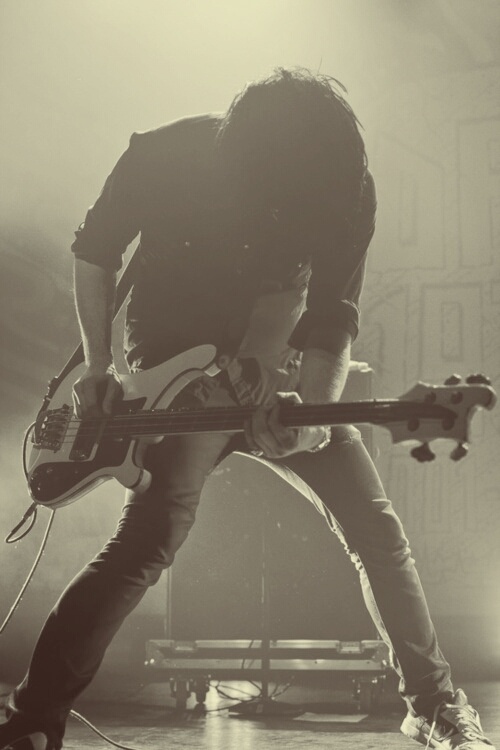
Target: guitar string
x,y
214,421
219,414
217,411
236,413
229,429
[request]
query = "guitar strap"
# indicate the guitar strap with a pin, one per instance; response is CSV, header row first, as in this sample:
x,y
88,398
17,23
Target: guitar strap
x,y
122,289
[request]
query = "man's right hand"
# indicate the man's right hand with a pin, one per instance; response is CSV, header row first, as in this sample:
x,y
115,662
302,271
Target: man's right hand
x,y
95,392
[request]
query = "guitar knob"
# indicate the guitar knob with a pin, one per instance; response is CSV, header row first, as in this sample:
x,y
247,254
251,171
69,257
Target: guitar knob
x,y
453,380
423,453
459,452
478,378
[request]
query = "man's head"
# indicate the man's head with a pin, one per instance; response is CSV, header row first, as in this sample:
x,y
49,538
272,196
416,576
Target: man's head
x,y
291,142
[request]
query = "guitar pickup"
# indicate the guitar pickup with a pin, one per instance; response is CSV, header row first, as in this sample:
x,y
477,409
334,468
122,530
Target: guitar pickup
x,y
87,439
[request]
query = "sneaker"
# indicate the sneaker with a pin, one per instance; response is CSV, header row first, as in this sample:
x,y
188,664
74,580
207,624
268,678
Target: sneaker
x,y
455,726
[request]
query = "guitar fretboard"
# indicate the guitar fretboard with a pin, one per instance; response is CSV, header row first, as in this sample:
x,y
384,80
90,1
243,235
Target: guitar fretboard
x,y
232,419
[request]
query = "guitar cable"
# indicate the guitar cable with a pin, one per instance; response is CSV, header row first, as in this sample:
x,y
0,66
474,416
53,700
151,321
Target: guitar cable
x,y
11,539
31,573
32,511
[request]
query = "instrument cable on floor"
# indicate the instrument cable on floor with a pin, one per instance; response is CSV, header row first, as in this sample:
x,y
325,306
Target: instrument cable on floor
x,y
100,734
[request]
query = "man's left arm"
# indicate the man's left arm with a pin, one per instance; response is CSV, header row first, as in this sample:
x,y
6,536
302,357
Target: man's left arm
x,y
322,380
323,373
324,334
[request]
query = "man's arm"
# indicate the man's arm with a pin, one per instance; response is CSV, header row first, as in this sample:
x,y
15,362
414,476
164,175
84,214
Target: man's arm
x,y
95,298
322,379
324,334
323,374
110,225
95,391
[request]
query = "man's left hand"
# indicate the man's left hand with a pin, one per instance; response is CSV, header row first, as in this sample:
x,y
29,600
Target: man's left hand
x,y
267,436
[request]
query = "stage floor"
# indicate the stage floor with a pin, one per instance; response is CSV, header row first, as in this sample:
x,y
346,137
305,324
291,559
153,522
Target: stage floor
x,y
145,720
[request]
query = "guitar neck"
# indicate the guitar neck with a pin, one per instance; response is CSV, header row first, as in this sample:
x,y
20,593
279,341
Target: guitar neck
x,y
232,419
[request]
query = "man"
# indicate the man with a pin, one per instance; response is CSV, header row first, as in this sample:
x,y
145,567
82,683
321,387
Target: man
x,y
244,219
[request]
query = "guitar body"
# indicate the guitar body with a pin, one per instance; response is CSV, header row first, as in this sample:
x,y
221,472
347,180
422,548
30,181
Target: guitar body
x,y
57,478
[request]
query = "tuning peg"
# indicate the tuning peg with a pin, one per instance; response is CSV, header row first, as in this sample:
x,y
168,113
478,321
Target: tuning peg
x,y
423,453
459,452
478,378
453,379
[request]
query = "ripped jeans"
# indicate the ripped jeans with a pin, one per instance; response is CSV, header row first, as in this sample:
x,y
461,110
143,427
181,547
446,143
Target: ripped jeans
x,y
154,525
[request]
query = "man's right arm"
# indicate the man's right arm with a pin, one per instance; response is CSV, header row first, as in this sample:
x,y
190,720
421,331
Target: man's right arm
x,y
99,386
110,225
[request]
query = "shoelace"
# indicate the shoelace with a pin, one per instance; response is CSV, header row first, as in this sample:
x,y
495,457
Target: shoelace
x,y
464,718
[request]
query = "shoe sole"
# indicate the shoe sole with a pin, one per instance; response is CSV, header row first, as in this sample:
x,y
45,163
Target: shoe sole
x,y
415,734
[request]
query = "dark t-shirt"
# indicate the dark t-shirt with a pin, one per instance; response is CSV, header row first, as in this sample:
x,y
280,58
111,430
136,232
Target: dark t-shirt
x,y
203,264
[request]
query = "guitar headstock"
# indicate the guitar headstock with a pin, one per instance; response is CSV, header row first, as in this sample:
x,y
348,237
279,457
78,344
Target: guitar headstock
x,y
442,411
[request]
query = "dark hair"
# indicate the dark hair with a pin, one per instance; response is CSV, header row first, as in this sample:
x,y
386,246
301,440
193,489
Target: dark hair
x,y
292,140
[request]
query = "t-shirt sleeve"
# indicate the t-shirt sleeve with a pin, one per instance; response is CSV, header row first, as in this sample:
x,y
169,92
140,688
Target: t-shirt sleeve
x,y
336,281
115,218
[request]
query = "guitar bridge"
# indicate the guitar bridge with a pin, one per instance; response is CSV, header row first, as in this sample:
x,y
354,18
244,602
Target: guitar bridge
x,y
50,428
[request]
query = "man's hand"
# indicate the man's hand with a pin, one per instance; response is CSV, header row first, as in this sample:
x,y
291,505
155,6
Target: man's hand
x,y
267,436
95,392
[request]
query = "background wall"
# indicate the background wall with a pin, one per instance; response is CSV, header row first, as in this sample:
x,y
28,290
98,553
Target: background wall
x,y
432,308
423,76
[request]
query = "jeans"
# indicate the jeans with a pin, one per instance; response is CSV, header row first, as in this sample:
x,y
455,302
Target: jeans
x,y
154,525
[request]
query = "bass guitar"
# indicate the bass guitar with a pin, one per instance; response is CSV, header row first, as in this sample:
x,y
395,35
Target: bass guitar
x,y
65,457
